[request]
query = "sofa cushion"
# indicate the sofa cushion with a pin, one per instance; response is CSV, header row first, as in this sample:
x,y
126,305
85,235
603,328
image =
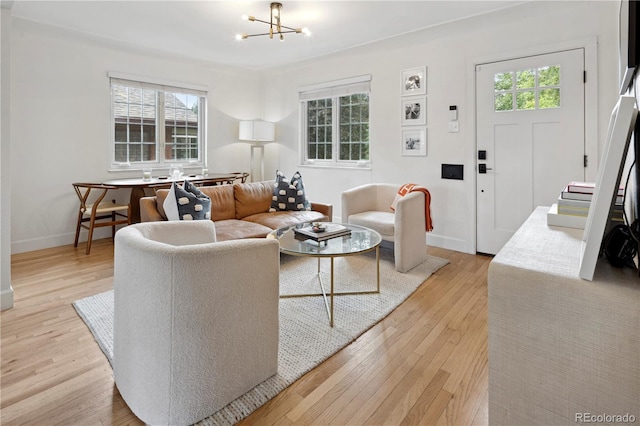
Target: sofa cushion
x,y
383,222
187,203
289,196
233,229
252,198
222,201
275,220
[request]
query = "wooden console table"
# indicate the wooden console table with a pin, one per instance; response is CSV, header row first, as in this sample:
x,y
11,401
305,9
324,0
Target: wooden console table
x,y
138,186
559,346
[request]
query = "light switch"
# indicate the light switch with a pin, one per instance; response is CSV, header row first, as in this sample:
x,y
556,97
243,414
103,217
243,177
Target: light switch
x,y
454,127
453,112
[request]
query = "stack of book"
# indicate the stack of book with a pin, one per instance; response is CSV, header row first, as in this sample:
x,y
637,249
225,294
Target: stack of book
x,y
324,232
572,207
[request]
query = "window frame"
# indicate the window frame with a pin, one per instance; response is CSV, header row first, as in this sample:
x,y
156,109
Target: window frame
x,y
333,90
161,88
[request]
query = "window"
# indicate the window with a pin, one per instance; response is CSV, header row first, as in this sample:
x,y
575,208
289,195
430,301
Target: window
x,y
531,89
334,122
156,124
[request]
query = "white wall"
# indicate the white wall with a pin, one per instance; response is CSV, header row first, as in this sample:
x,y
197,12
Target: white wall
x,y
61,123
449,52
6,290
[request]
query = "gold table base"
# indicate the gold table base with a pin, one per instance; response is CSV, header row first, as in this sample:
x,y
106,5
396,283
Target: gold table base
x,y
332,293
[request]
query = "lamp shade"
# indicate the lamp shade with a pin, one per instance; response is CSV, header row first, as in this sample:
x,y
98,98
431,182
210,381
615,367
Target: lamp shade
x,y
257,130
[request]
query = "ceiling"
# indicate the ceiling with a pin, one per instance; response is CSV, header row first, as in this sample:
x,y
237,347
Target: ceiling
x,y
205,30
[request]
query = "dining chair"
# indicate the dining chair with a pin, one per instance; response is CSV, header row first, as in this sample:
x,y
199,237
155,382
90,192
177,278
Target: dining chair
x,y
97,212
241,176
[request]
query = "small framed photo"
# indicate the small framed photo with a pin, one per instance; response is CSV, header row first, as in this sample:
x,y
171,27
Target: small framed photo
x,y
414,81
414,111
414,142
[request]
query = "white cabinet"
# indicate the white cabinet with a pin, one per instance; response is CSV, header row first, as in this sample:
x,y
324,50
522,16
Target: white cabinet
x,y
560,346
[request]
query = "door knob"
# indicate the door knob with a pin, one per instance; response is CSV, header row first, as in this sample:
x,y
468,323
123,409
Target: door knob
x,y
482,168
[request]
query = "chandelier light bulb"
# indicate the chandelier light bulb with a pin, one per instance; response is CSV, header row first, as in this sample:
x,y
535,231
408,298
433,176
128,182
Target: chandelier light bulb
x,y
245,17
306,31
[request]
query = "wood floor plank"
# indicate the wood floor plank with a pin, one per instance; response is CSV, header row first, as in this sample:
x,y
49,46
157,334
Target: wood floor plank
x,y
425,363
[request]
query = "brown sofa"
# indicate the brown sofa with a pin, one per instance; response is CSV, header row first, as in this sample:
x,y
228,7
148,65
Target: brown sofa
x,y
240,210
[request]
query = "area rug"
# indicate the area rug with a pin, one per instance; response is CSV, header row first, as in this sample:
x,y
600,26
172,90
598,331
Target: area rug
x,y
306,339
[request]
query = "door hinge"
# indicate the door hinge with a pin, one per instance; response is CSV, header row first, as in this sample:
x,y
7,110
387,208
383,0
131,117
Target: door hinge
x,y
584,76
586,160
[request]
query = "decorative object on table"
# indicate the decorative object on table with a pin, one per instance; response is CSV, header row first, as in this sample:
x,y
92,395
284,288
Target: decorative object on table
x,y
289,195
414,81
146,174
275,25
257,131
100,213
324,232
370,205
176,171
414,111
306,339
414,141
195,320
187,203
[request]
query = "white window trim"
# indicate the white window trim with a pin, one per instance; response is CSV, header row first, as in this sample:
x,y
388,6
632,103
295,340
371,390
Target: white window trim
x,y
132,80
332,89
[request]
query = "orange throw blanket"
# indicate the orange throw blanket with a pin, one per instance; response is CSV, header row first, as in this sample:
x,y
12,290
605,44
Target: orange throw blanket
x,y
412,187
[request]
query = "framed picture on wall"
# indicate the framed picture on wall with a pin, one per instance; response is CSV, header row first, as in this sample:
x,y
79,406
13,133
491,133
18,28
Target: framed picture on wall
x,y
414,142
414,81
414,111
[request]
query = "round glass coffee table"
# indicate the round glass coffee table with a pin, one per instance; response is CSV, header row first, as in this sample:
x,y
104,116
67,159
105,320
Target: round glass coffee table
x,y
359,241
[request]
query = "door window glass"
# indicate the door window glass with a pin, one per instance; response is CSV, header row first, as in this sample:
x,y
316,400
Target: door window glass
x,y
536,88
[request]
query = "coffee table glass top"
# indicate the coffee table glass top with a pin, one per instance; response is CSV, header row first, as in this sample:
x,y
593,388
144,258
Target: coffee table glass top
x,y
361,240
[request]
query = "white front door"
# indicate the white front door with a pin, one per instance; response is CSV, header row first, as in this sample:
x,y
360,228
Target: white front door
x,y
530,131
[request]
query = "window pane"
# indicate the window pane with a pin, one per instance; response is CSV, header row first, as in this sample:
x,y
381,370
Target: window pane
x,y
345,153
364,151
549,98
149,133
149,152
503,81
526,100
135,152
135,133
503,102
121,133
549,76
525,79
345,133
121,153
313,152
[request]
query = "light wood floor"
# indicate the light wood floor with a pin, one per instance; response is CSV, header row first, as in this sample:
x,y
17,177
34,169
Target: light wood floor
x,y
426,363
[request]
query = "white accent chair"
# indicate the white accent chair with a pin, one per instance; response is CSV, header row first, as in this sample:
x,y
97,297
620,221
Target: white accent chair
x,y
195,320
370,205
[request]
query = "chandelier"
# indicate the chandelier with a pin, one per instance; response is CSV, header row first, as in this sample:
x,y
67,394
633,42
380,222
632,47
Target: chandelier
x,y
275,26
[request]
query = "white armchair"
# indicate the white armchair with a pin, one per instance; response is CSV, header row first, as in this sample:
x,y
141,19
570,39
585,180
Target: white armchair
x,y
370,205
195,321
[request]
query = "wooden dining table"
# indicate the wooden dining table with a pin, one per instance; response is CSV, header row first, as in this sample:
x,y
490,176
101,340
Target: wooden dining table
x,y
138,186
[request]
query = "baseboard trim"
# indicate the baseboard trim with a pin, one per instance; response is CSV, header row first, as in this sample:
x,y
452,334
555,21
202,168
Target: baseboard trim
x,y
6,299
449,243
33,244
